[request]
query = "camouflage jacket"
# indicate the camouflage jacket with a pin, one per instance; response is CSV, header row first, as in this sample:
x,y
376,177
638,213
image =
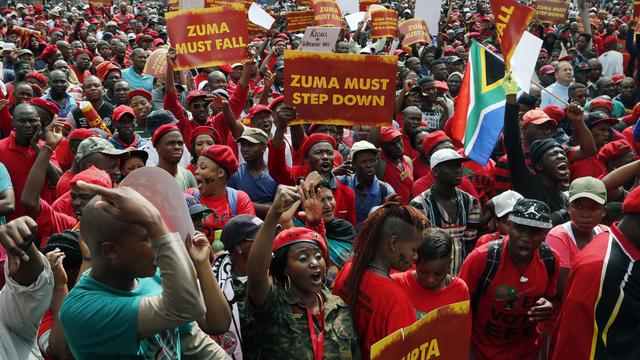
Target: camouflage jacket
x,y
276,332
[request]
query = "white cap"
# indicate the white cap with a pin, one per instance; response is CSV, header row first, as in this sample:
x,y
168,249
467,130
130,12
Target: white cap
x,y
504,202
444,155
361,146
8,46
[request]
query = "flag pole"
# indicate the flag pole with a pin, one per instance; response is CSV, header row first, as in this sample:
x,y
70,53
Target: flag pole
x,y
542,88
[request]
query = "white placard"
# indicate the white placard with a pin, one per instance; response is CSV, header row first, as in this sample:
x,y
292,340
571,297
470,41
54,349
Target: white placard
x,y
354,19
320,39
523,60
258,16
429,10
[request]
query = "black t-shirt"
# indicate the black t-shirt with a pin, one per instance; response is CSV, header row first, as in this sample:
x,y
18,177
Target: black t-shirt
x,y
105,111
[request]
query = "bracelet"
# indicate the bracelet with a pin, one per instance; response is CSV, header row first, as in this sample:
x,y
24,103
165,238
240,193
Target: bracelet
x,y
48,147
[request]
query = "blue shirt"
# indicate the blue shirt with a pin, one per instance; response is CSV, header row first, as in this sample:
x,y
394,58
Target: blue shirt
x,y
558,90
364,204
136,81
101,322
261,189
5,184
69,105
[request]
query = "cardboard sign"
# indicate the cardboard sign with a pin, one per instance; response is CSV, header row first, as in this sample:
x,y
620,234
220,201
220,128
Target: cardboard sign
x,y
320,39
384,23
444,333
326,13
208,37
364,4
299,20
303,3
258,16
415,31
551,11
156,65
340,89
511,19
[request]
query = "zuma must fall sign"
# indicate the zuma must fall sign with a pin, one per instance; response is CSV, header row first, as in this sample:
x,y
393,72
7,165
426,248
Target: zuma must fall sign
x,y
208,37
340,89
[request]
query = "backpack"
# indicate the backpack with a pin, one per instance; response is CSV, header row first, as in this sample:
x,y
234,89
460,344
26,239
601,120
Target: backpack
x,y
232,198
493,263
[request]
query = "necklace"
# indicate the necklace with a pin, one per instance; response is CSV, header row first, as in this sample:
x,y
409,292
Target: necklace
x,y
374,266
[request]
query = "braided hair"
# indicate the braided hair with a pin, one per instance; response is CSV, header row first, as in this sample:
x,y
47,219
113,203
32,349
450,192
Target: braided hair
x,y
67,242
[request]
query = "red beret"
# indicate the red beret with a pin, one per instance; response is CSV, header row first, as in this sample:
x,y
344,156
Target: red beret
x,y
81,52
95,176
120,111
275,102
432,140
162,131
104,68
277,41
389,133
82,133
555,112
158,42
617,78
631,204
194,94
601,103
255,109
139,92
205,130
609,39
613,150
297,235
226,68
474,34
152,33
223,156
47,52
315,139
47,105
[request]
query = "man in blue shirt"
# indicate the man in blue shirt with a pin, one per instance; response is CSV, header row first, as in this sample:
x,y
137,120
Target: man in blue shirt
x,y
58,83
135,75
252,176
369,191
560,88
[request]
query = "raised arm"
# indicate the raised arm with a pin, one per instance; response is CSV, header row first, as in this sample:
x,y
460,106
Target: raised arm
x,y
618,177
586,146
516,158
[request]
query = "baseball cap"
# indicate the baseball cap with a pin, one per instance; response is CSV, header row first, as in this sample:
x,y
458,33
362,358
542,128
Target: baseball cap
x,y
596,117
194,206
389,133
547,69
240,228
444,155
532,213
537,117
278,65
588,187
25,52
362,145
256,109
505,202
254,135
94,145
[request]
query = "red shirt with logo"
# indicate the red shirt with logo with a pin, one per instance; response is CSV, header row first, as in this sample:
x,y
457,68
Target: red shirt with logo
x,y
425,300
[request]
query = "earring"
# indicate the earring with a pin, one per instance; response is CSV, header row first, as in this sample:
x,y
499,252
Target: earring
x,y
287,283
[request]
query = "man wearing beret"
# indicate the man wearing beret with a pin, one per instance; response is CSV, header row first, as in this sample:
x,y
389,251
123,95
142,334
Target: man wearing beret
x,y
512,282
612,59
599,318
169,144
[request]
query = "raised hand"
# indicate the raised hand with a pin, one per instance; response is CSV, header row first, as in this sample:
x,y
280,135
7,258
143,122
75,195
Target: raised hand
x,y
286,197
17,237
311,204
198,248
55,259
53,133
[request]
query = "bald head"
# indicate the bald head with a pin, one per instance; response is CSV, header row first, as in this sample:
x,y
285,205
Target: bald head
x,y
98,227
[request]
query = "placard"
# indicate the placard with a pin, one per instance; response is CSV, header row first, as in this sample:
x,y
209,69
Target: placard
x,y
551,11
156,64
340,89
326,13
320,39
444,333
364,4
298,20
208,37
415,31
384,23
226,3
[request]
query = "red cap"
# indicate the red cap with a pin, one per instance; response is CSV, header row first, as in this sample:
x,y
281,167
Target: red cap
x,y
105,68
297,235
631,204
555,112
277,41
389,133
315,139
162,131
613,150
139,92
547,69
601,103
47,105
81,52
565,58
223,156
441,87
537,117
617,78
276,101
93,175
194,94
255,109
120,111
432,140
82,133
47,52
205,130
158,42
258,90
226,68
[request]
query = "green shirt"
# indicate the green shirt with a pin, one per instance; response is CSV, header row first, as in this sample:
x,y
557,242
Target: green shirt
x,y
277,332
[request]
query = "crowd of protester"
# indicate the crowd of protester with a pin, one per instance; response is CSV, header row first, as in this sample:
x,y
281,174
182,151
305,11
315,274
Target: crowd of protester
x,y
313,241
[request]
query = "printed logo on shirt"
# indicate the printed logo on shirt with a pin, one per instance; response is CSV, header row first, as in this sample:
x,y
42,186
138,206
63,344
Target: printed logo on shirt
x,y
507,294
508,322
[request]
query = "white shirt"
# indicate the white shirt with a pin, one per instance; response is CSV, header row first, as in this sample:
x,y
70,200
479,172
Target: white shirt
x,y
611,63
21,310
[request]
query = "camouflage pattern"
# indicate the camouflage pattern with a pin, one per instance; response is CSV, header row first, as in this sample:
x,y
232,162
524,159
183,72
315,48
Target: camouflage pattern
x,y
276,332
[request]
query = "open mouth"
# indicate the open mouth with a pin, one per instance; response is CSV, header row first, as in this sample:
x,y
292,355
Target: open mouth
x,y
325,165
563,169
524,250
316,277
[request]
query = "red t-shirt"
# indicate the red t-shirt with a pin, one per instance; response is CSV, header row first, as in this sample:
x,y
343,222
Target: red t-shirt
x,y
51,222
562,240
406,146
221,210
590,166
382,307
63,205
400,181
599,318
64,155
64,183
486,238
482,178
424,300
499,332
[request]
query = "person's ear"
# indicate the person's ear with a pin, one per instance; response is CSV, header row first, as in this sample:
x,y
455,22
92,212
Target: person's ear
x,y
108,249
221,173
538,167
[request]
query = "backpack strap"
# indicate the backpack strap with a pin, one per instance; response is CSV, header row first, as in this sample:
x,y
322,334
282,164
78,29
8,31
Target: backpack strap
x,y
383,191
490,268
232,198
548,258
381,167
